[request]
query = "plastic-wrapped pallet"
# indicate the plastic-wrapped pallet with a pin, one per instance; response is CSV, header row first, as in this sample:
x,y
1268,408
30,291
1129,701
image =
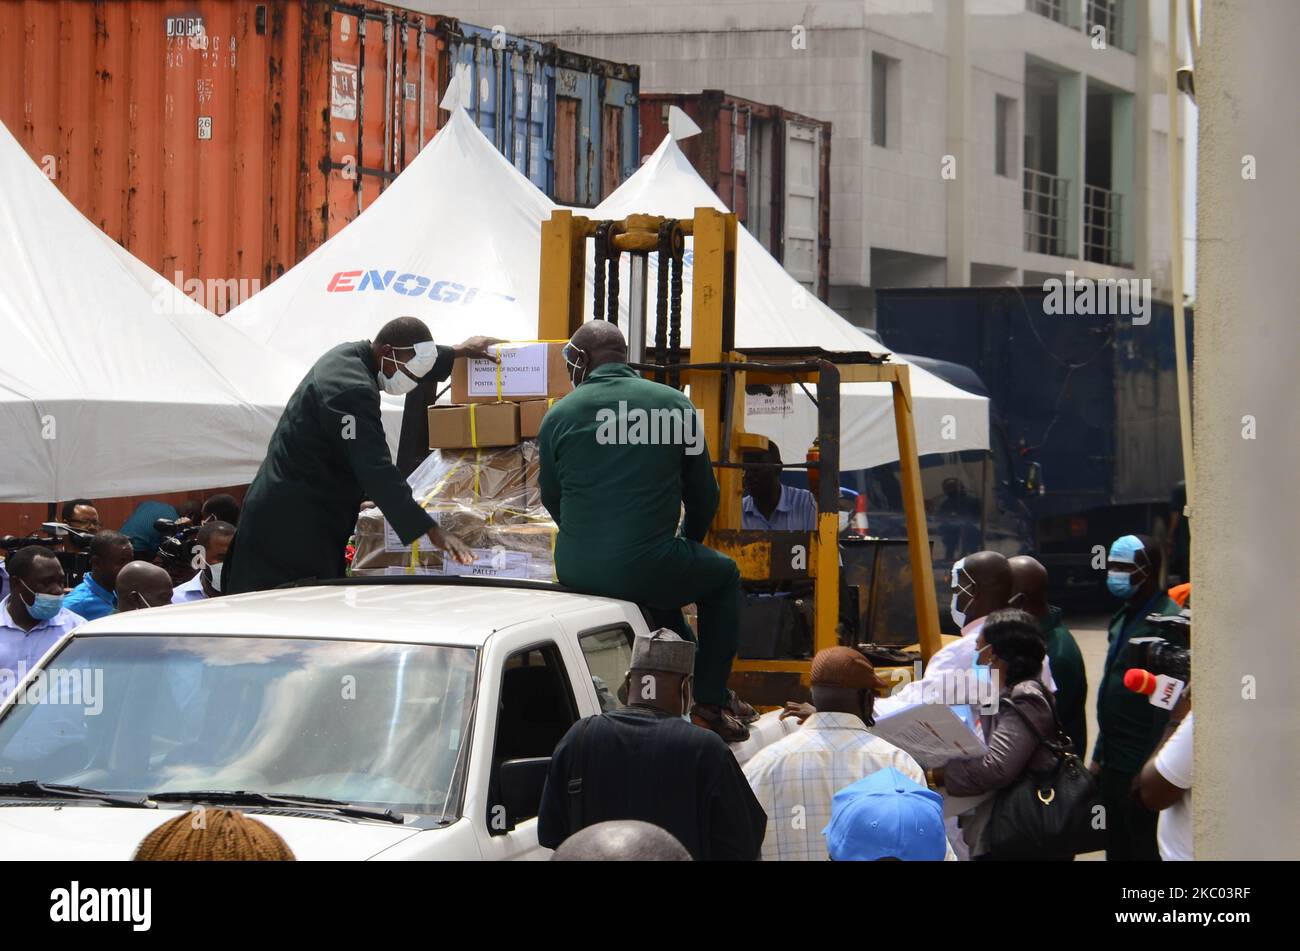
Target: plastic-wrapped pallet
x,y
489,498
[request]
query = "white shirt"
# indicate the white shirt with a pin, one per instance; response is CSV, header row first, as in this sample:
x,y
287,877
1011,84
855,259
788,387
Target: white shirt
x,y
955,658
1174,763
191,590
796,777
25,648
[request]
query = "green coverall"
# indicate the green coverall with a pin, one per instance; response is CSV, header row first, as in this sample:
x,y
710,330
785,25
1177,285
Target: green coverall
x,y
327,454
616,498
1128,729
1071,678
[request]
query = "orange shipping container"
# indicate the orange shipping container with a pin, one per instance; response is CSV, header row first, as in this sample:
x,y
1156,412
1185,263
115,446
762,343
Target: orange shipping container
x,y
221,141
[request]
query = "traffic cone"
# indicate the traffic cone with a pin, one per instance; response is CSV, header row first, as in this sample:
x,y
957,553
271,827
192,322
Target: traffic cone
x,y
859,527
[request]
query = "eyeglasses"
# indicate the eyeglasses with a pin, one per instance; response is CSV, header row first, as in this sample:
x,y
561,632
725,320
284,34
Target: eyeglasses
x,y
573,356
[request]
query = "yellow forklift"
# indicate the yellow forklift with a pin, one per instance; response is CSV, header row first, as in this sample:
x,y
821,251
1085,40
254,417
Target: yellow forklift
x,y
717,374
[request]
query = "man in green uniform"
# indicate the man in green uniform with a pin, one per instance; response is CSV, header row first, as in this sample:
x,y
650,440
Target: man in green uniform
x,y
620,457
1029,582
328,453
1128,725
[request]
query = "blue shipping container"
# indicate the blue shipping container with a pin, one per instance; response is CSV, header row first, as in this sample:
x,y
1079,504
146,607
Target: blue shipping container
x,y
513,80
568,122
597,127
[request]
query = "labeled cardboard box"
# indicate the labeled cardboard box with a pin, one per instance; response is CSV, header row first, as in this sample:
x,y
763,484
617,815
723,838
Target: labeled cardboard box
x,y
530,416
527,371
473,426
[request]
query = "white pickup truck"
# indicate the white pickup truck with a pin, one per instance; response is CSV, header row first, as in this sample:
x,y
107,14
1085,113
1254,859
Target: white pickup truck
x,y
377,719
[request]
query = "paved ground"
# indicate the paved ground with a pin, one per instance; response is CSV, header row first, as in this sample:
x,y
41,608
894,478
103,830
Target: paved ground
x,y
1090,632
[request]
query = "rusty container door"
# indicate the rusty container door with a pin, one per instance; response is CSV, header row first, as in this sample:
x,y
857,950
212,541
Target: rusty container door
x,y
375,77
173,126
600,94
767,164
567,145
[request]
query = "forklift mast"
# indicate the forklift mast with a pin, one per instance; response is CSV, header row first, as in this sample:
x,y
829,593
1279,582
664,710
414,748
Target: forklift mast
x,y
717,374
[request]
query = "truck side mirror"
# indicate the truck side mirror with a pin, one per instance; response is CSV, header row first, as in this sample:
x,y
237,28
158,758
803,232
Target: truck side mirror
x,y
520,782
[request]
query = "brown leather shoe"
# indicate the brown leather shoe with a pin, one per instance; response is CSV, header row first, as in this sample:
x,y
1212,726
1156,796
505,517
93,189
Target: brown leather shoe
x,y
740,709
715,718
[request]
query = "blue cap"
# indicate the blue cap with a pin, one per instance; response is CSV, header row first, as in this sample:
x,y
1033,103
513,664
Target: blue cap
x,y
1124,550
886,815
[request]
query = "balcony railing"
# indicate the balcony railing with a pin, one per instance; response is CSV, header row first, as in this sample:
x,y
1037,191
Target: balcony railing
x,y
1105,14
1052,9
1045,212
1101,225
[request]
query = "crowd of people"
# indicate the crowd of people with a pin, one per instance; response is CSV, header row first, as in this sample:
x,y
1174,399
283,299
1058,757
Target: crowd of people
x,y
639,783
644,780
127,572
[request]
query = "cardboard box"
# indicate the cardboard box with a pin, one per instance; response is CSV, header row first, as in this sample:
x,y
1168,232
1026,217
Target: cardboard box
x,y
527,371
505,476
473,426
530,416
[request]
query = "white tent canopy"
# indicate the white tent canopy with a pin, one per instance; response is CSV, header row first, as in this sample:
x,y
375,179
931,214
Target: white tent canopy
x,y
774,310
113,382
454,240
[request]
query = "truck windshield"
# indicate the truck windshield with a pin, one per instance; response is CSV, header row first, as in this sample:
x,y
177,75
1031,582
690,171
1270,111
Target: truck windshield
x,y
356,721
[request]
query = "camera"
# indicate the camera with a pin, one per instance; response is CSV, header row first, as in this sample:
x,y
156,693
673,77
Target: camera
x,y
176,549
1159,655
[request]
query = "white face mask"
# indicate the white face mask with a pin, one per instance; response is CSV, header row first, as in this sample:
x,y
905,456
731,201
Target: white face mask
x,y
959,617
426,355
215,572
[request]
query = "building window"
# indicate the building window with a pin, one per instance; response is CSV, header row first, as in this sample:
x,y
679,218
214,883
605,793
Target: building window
x,y
885,102
1108,15
1005,156
1056,10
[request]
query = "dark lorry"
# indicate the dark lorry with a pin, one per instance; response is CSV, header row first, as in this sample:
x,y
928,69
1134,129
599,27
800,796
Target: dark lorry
x,y
1092,400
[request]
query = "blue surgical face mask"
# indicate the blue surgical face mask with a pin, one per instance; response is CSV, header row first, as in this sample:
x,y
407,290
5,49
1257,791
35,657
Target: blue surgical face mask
x,y
44,606
1120,584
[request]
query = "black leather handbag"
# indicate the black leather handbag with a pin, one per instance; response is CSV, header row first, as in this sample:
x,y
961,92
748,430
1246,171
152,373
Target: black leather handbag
x,y
1049,814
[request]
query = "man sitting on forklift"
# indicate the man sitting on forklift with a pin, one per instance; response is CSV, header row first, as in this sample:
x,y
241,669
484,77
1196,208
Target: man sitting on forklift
x,y
616,493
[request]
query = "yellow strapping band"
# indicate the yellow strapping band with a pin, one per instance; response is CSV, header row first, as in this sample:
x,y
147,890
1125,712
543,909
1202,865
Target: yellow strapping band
x,y
473,430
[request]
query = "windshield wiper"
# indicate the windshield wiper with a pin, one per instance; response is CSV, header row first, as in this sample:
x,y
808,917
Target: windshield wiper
x,y
35,789
242,797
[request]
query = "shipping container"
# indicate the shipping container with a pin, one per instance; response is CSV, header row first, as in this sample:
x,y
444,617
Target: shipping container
x,y
222,141
513,90
769,165
597,130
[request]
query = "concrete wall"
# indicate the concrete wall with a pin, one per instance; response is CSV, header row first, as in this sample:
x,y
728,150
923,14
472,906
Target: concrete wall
x,y
1246,513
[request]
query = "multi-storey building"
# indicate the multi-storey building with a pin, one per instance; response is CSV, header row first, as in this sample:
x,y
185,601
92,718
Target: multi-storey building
x,y
974,141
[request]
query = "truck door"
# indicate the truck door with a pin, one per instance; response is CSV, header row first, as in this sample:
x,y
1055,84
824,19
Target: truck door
x,y
526,704
603,638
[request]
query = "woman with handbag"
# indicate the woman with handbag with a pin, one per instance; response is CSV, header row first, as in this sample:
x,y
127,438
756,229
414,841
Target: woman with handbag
x,y
1027,763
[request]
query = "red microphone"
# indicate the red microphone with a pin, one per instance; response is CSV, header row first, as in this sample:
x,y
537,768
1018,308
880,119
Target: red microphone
x,y
1140,681
1162,690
